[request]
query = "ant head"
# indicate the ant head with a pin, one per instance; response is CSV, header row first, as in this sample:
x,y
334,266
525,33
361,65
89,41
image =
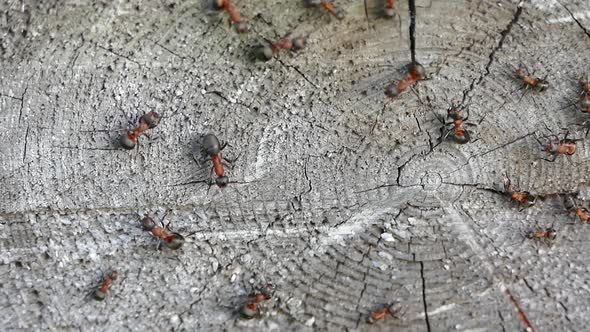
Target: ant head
x,y
416,69
210,144
99,295
339,14
266,52
299,43
129,140
249,310
222,181
175,242
218,4
457,113
268,290
241,27
551,233
394,307
148,223
113,275
152,119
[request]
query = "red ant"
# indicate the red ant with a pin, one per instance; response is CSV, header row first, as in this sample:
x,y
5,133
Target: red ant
x,y
529,82
171,240
234,15
580,212
524,198
548,234
583,214
251,308
416,72
212,148
101,293
458,133
392,310
147,121
327,5
389,8
294,44
558,146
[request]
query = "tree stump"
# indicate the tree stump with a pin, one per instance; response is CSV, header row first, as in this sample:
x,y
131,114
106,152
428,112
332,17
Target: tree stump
x,y
346,200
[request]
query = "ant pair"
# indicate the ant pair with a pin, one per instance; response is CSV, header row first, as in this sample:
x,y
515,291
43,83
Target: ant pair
x,y
273,48
557,146
327,6
392,309
170,239
233,13
147,121
251,308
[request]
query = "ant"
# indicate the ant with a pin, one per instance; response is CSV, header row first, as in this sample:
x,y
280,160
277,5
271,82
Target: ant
x,y
212,148
101,293
416,72
580,212
388,9
294,44
458,133
524,198
234,15
171,240
251,308
586,96
147,121
558,146
392,310
548,234
327,5
529,82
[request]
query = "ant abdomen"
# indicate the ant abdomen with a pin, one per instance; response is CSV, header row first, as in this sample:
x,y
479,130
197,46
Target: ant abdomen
x,y
128,141
464,139
175,242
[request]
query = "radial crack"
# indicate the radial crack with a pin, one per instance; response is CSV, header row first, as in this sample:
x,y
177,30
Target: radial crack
x,y
492,54
586,31
424,296
412,8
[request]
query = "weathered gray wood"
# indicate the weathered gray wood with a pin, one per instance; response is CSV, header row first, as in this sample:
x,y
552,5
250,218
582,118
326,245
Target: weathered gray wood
x,y
331,165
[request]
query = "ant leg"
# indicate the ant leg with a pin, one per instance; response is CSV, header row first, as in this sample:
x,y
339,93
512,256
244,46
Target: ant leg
x,y
232,161
550,160
162,219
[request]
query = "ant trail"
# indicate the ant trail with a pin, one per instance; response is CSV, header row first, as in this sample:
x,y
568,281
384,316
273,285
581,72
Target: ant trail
x,y
412,5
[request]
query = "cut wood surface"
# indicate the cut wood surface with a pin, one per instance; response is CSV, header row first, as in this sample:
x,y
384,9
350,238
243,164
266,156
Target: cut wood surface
x,y
346,200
